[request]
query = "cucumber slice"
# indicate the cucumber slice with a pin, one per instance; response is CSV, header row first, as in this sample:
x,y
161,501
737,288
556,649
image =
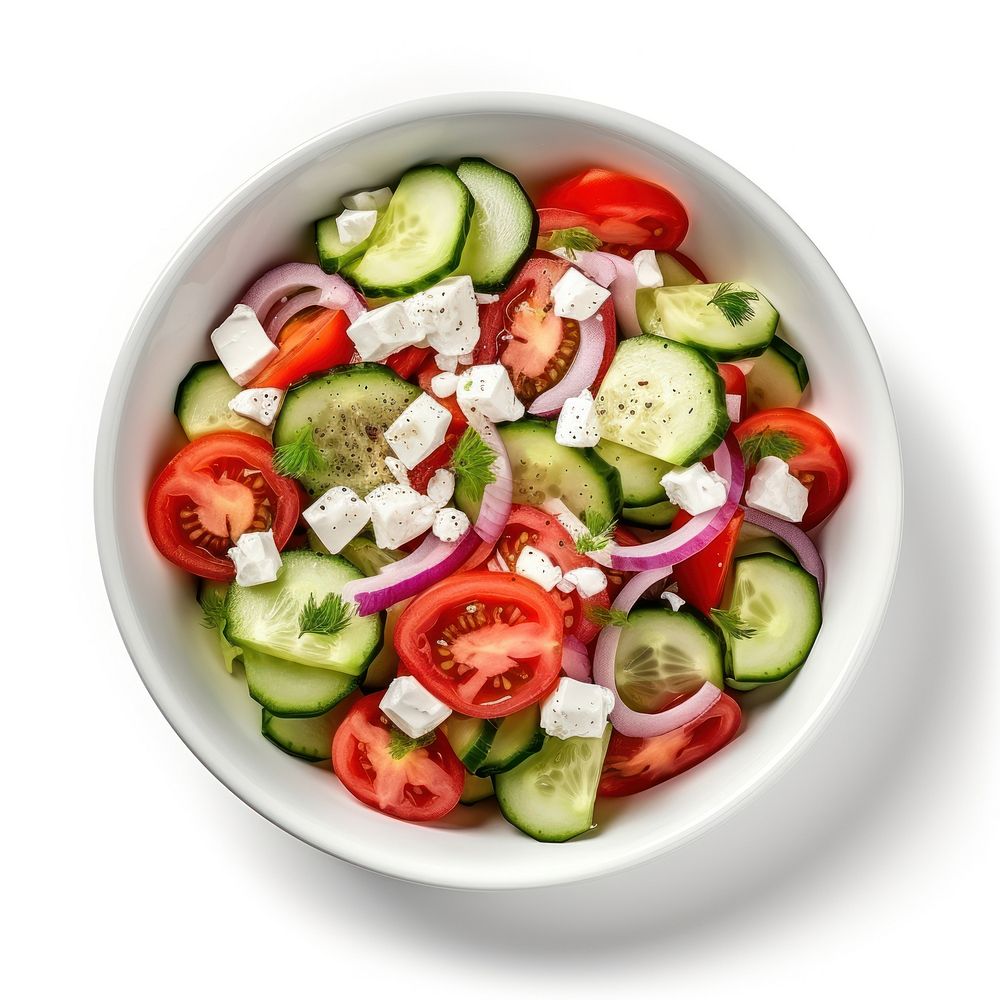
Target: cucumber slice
x,y
657,515
503,225
471,739
516,737
265,618
419,238
781,601
543,470
662,399
475,790
291,690
779,377
363,553
709,317
640,474
212,596
348,411
551,795
753,540
202,403
663,654
309,739
332,253
674,272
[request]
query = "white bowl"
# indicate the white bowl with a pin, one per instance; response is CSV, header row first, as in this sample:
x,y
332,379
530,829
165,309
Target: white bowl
x,y
736,231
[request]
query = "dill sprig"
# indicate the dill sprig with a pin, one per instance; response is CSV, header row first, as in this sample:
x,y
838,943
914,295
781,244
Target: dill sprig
x,y
599,534
213,610
734,303
472,462
607,616
768,442
300,456
400,744
330,617
732,624
573,241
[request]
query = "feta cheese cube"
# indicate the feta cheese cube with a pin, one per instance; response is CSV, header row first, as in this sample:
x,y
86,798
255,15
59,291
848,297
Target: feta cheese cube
x,y
444,384
576,708
487,390
577,423
695,489
446,362
397,470
774,490
337,517
418,430
536,566
675,601
734,407
486,298
450,524
367,201
257,404
466,359
399,514
576,296
441,487
586,581
558,509
447,315
243,346
647,270
256,557
412,708
380,332
355,227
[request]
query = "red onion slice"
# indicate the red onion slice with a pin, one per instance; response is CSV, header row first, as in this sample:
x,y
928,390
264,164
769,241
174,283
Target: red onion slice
x,y
290,309
582,371
693,536
623,718
498,495
795,538
575,661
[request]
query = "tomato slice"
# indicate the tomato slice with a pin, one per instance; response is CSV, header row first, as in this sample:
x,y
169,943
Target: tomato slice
x,y
313,341
615,207
531,526
211,492
701,579
522,331
633,764
736,384
407,362
810,449
383,767
487,644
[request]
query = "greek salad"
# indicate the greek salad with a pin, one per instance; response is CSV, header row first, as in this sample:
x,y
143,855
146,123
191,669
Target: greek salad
x,y
502,498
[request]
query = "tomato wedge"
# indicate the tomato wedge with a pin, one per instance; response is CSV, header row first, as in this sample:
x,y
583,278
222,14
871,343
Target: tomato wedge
x,y
531,526
313,341
633,764
211,492
615,207
411,779
810,449
522,331
487,644
701,579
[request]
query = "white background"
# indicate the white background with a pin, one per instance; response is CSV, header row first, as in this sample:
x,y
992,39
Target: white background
x,y
872,865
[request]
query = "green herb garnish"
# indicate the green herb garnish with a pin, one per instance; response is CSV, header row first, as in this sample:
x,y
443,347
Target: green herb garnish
x,y
330,617
732,624
599,535
472,463
734,303
298,457
768,442
400,744
213,611
573,241
607,616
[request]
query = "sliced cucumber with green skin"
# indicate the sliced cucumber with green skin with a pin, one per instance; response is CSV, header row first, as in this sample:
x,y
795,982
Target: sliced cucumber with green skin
x,y
202,403
729,319
291,690
779,377
364,553
674,272
348,411
516,737
663,654
503,228
543,470
551,795
752,542
212,594
333,254
265,618
657,515
662,399
419,238
471,739
780,600
475,790
640,474
309,739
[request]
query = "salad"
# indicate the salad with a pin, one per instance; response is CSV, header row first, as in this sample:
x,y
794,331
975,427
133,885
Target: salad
x,y
501,498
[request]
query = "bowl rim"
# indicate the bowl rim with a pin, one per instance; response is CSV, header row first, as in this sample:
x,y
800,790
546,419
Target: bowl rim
x,y
607,119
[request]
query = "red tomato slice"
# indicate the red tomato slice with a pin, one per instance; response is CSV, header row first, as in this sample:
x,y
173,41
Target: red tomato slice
x,y
530,526
313,341
633,764
813,455
487,644
701,579
529,340
736,384
211,492
407,362
380,765
617,208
